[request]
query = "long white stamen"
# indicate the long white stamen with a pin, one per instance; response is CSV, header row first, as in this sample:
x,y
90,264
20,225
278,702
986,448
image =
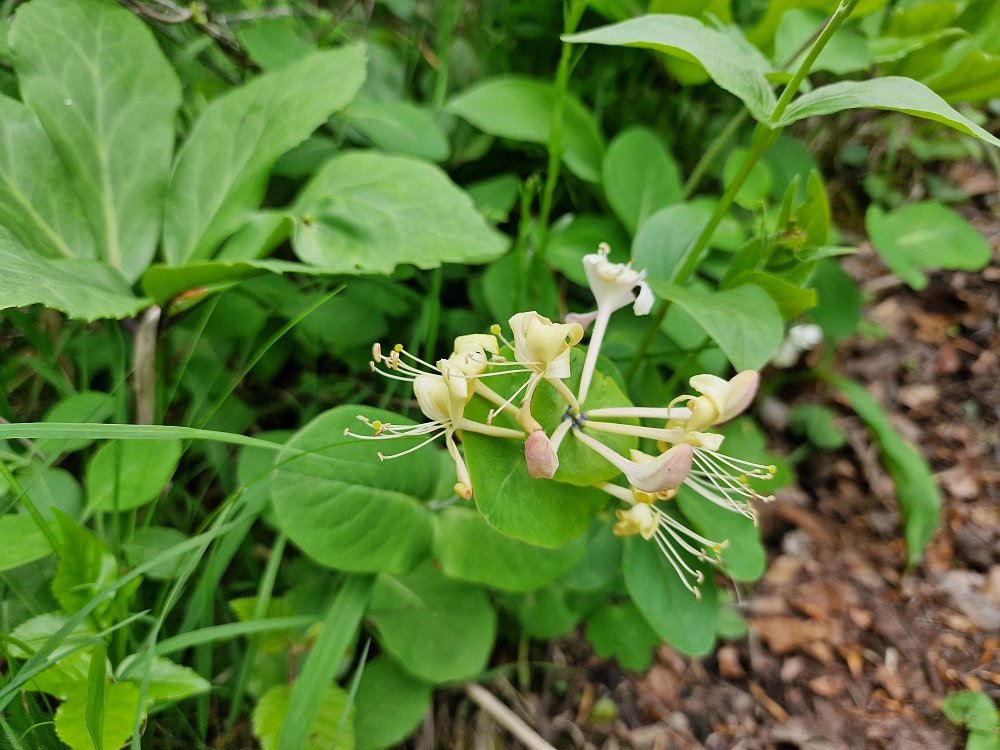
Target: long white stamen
x,y
509,401
490,395
640,412
698,575
414,448
672,556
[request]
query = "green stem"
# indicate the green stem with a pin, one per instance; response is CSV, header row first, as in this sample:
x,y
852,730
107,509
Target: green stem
x,y
31,508
572,14
451,12
713,150
763,138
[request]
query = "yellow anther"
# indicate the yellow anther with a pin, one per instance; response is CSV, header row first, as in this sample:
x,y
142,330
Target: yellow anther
x,y
376,425
742,479
772,469
495,329
397,348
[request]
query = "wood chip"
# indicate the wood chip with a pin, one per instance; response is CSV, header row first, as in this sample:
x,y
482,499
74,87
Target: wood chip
x,y
729,663
827,685
891,682
860,617
786,634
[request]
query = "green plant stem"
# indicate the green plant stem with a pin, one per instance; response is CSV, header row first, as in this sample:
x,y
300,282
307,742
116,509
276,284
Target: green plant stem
x,y
763,138
32,509
450,13
712,152
572,14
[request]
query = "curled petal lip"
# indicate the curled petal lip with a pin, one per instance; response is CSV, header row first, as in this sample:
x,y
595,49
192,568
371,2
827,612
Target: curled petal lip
x,y
743,388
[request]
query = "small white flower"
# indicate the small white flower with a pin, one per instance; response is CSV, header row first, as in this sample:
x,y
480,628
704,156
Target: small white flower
x,y
800,339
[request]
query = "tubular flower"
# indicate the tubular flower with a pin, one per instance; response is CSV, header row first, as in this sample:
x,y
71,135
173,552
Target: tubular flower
x,y
613,285
543,349
442,396
644,472
644,519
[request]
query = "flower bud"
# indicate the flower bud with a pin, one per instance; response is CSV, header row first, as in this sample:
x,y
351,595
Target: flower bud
x,y
542,460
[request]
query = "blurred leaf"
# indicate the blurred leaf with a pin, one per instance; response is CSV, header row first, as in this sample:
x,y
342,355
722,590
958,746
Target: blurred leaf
x,y
763,33
661,242
838,306
846,52
120,705
162,283
494,197
222,170
973,709
640,176
757,185
85,406
262,233
24,542
106,96
344,507
470,549
790,299
38,204
150,541
83,289
506,294
399,128
273,43
521,108
718,8
891,92
967,74
366,212
439,629
571,240
85,566
815,422
925,235
686,622
169,682
730,65
919,497
390,704
601,562
547,612
125,474
269,717
619,631
744,321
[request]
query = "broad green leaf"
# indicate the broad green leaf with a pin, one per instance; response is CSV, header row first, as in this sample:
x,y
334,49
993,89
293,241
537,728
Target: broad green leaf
x,y
85,566
23,543
106,95
580,235
222,170
698,8
439,629
72,667
619,631
259,236
37,201
170,682
83,289
973,709
366,212
273,43
269,716
547,613
470,549
121,703
601,562
846,52
744,557
968,74
51,488
744,321
790,299
347,509
541,511
662,241
816,422
125,474
399,128
85,406
925,235
729,65
310,702
673,612
520,109
838,305
640,176
390,704
919,497
149,542
763,33
272,643
162,283
507,289
892,92
494,197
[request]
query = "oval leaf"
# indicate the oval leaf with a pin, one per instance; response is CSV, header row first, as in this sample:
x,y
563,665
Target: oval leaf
x,y
640,176
390,704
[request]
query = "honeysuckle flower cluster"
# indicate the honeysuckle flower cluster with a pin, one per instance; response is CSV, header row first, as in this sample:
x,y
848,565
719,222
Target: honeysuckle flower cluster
x,y
687,452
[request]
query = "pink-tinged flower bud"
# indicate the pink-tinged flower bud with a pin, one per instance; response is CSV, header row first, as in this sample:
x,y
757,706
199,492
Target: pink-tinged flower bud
x,y
660,473
542,460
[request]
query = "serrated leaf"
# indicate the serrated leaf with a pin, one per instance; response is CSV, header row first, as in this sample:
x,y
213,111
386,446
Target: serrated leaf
x,y
892,92
438,628
83,289
223,168
520,108
469,549
367,212
731,66
347,509
106,95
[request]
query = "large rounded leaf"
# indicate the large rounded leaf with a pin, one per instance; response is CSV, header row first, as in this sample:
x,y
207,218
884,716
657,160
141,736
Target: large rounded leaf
x,y
347,509
674,613
125,474
469,548
438,628
366,212
640,176
390,703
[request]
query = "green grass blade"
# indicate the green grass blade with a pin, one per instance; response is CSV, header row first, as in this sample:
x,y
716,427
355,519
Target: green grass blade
x,y
229,631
